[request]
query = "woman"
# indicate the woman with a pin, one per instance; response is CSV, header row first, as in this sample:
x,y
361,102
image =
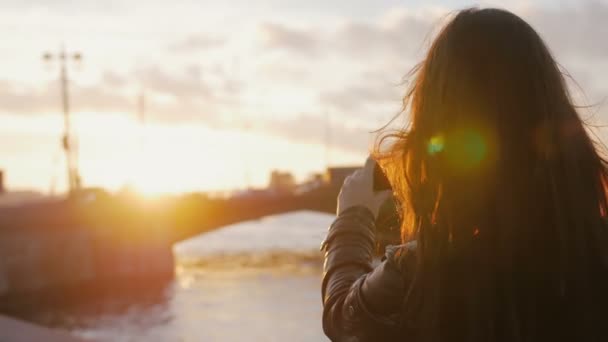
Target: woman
x,y
503,199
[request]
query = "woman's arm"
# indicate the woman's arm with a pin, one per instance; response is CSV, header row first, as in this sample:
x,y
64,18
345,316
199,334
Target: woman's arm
x,y
360,303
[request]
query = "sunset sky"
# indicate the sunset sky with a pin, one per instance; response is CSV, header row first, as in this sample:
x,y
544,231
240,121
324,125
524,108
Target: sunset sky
x,y
233,88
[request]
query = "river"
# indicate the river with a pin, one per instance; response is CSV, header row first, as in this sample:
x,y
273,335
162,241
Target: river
x,y
254,281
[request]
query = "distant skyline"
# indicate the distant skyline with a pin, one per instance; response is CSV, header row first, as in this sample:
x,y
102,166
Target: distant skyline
x,y
232,86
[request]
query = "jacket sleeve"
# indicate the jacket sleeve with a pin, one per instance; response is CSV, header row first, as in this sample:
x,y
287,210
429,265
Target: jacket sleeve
x,y
360,303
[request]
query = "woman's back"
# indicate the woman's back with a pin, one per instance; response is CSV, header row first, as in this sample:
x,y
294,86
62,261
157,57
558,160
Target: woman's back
x,y
502,188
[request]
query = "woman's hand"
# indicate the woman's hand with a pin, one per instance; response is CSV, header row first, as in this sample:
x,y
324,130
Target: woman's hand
x,y
358,190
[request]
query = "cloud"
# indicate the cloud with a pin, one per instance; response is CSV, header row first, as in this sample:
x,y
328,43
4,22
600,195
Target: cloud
x,y
171,96
401,36
390,46
351,67
575,32
113,79
402,33
308,128
66,5
184,86
304,128
398,34
17,99
101,99
196,43
20,99
361,97
281,37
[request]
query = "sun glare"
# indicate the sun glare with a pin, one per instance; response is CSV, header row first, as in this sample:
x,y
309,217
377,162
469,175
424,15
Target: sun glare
x,y
156,159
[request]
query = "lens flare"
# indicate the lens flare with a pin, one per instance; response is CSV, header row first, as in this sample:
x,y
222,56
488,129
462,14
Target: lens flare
x,y
474,147
435,145
466,149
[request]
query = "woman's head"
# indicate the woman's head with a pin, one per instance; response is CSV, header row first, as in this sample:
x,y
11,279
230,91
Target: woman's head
x,y
496,172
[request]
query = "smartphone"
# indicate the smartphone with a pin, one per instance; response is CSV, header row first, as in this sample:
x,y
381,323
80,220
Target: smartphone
x,y
381,182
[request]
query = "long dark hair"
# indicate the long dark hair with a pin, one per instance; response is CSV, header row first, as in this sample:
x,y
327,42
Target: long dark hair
x,y
504,190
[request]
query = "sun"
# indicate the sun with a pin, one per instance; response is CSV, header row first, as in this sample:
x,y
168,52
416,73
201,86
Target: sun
x,y
183,159
155,174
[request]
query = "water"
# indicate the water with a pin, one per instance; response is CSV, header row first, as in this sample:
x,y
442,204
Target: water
x,y
254,281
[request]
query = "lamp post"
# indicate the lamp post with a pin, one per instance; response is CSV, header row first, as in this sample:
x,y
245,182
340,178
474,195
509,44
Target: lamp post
x,y
67,141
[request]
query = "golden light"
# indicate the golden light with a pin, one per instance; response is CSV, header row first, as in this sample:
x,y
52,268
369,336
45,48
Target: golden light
x,y
172,158
465,148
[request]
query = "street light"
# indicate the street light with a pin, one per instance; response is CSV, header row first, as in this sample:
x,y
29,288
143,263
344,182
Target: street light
x,y
68,142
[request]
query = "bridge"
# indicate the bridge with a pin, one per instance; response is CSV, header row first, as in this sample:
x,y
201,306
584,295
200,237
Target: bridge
x,y
75,248
92,242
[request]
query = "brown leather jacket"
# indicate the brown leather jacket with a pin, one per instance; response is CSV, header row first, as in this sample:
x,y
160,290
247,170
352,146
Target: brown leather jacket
x,y
360,302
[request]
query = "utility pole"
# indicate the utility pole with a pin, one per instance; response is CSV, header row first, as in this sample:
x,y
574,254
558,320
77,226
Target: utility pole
x,y
327,139
67,141
246,170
